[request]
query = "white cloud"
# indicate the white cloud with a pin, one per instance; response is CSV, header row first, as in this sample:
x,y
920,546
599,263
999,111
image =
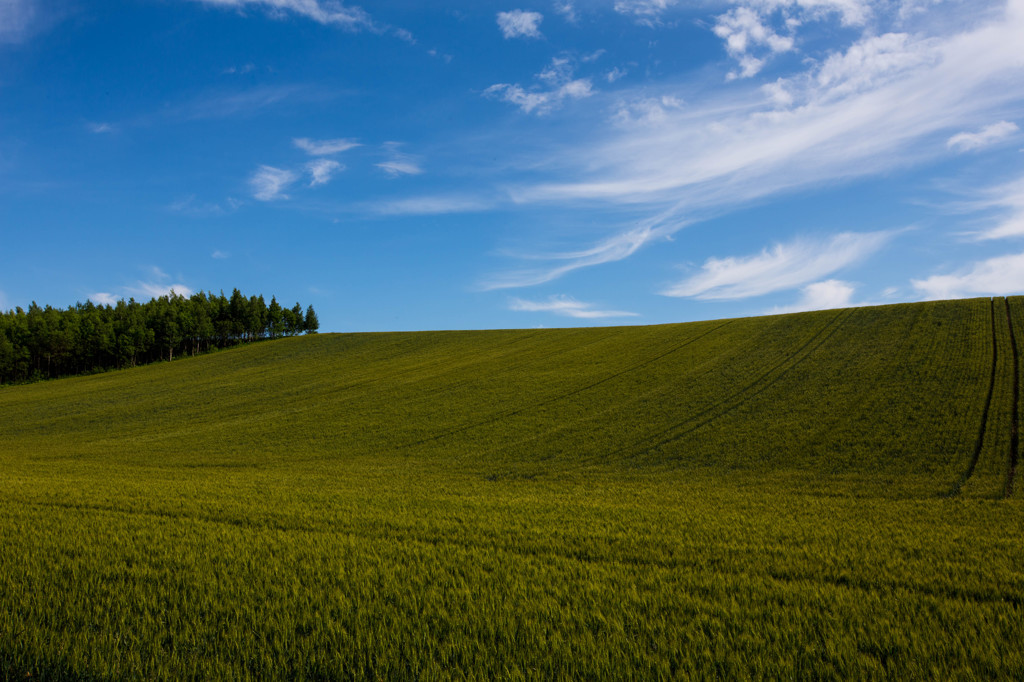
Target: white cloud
x,y
756,30
615,74
566,306
16,20
874,61
269,183
324,147
103,298
223,104
515,94
827,295
742,29
97,128
831,126
646,12
431,205
989,134
156,287
647,110
192,207
997,276
329,12
1008,199
784,266
220,255
394,168
398,163
520,24
560,84
567,9
322,170
614,248
146,290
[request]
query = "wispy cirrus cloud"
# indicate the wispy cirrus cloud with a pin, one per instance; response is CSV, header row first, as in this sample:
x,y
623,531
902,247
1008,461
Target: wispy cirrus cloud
x,y
566,306
228,103
431,205
567,9
322,170
992,277
557,83
398,162
886,103
159,284
330,12
781,267
520,24
194,207
988,135
17,20
324,147
269,183
1009,200
645,12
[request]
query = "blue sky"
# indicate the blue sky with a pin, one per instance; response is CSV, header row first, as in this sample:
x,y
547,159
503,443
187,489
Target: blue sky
x,y
412,165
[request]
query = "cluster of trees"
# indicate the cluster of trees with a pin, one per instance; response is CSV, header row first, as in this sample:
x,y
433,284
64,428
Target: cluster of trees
x,y
41,343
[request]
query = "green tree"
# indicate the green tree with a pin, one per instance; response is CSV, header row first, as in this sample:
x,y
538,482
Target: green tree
x,y
311,322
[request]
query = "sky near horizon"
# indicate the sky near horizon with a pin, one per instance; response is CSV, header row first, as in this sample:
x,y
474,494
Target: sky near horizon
x,y
465,165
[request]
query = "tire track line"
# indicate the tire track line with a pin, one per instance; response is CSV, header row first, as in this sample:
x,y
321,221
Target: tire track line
x,y
730,402
958,486
563,396
1015,411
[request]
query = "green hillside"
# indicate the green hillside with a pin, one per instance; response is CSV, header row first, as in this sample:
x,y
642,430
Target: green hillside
x,y
823,494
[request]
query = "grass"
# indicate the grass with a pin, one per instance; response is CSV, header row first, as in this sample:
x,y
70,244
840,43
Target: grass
x,y
815,495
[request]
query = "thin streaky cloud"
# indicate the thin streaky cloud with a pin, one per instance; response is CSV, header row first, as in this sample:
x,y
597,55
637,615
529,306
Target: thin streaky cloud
x,y
324,147
431,205
781,267
329,13
398,162
872,110
395,168
269,183
566,306
16,20
986,136
567,9
1008,200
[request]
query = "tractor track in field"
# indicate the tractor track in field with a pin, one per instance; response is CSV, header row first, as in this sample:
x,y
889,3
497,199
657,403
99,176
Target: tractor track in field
x,y
495,543
1015,410
563,396
738,397
979,443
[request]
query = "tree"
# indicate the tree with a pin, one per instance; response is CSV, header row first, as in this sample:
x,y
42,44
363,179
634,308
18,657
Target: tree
x,y
275,319
311,322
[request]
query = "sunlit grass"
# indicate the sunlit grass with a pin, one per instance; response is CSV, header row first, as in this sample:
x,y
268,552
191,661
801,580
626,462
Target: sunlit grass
x,y
771,497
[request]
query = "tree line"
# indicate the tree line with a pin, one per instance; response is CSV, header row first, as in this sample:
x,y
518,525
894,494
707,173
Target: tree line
x,y
46,342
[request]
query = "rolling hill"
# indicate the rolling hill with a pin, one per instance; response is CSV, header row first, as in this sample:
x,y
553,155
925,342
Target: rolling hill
x,y
819,494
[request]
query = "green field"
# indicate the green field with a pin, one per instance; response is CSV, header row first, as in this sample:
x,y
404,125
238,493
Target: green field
x,y
823,495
